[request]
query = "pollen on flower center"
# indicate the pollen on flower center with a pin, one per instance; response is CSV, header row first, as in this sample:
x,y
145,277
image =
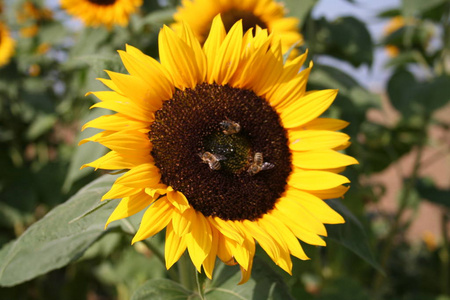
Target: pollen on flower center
x,y
189,125
103,2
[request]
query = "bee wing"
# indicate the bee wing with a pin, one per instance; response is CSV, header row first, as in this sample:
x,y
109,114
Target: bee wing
x,y
267,166
220,157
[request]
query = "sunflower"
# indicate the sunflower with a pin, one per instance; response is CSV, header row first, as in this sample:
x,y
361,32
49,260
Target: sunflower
x,y
266,14
223,147
6,45
102,12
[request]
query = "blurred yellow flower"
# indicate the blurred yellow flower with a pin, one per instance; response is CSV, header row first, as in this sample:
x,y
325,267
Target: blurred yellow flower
x,y
6,45
31,17
267,14
102,12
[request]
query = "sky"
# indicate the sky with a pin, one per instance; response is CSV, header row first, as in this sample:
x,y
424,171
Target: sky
x,y
365,10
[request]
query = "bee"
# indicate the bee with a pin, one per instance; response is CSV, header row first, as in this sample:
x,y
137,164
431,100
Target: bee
x,y
211,159
230,127
258,164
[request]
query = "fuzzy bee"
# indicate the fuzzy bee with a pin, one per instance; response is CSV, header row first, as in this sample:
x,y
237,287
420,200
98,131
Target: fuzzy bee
x,y
258,164
230,127
213,160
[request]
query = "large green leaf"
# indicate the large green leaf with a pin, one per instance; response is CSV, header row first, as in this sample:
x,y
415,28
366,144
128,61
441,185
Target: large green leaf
x,y
85,153
54,241
345,38
428,190
409,96
264,283
351,234
163,289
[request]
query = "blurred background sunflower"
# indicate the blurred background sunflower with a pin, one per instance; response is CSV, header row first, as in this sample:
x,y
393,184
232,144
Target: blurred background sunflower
x,y
102,12
266,14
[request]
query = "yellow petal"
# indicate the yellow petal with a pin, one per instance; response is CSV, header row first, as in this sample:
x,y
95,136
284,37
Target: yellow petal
x,y
294,209
137,90
288,93
325,124
121,104
177,199
307,108
292,242
263,239
321,159
182,222
336,192
150,71
199,240
177,57
304,140
129,206
224,250
210,261
211,47
299,231
315,180
145,175
120,191
226,229
127,143
114,161
228,55
174,246
315,206
155,218
116,122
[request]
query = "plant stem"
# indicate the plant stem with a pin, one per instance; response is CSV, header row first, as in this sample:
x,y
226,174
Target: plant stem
x,y
186,272
397,221
200,288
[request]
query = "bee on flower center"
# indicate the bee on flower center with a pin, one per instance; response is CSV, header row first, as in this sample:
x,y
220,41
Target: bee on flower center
x,y
257,165
212,159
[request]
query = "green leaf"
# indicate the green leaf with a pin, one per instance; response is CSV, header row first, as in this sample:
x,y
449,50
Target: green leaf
x,y
299,9
264,283
85,153
326,77
351,234
53,242
41,124
400,92
162,289
345,38
414,7
411,97
428,190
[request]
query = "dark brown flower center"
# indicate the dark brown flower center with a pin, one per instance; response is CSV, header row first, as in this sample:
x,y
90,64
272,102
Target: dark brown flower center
x,y
209,162
103,2
249,20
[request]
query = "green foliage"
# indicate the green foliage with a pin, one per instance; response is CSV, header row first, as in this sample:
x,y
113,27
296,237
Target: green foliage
x,y
54,241
264,284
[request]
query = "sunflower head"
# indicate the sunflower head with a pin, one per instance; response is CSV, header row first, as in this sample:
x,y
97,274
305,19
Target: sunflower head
x,y
102,12
223,147
6,45
263,14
